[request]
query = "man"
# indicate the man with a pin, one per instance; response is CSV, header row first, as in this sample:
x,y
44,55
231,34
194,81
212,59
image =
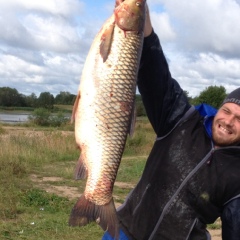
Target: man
x,y
192,175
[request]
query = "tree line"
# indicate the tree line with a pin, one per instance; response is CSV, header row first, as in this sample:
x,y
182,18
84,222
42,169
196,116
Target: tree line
x,y
10,97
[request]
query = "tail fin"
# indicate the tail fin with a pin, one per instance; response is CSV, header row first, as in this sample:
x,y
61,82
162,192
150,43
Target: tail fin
x,y
85,212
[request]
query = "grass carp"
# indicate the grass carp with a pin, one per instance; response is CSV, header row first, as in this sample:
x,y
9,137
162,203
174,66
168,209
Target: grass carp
x,y
103,111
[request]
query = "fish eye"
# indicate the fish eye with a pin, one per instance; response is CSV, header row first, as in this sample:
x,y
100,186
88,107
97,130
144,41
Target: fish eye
x,y
138,4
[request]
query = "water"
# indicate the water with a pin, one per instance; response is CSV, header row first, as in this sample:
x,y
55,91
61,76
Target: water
x,y
14,117
18,117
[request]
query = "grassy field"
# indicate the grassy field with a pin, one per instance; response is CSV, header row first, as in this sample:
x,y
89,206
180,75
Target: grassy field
x,y
36,175
37,190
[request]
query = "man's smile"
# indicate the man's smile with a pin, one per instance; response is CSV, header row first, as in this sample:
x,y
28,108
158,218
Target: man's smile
x,y
224,130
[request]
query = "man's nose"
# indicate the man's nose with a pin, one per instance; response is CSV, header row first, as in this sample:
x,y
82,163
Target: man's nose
x,y
229,120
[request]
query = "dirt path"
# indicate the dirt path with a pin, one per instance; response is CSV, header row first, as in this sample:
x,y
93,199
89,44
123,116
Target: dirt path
x,y
64,191
73,193
216,234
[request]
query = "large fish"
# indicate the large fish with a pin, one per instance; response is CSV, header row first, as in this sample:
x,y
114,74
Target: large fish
x,y
103,111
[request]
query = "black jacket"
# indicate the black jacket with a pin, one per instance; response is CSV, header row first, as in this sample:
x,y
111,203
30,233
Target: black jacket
x,y
186,184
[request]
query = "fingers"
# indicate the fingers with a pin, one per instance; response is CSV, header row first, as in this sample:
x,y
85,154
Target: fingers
x,y
148,25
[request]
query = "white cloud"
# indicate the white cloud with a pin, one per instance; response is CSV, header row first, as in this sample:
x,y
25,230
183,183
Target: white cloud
x,y
203,45
40,44
205,70
55,7
43,44
206,25
26,26
52,33
162,26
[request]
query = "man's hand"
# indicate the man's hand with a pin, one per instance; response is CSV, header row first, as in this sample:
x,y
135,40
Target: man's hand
x,y
148,25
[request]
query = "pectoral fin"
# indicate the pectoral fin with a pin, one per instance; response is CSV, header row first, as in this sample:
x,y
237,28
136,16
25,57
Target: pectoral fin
x,y
75,106
133,120
80,170
106,41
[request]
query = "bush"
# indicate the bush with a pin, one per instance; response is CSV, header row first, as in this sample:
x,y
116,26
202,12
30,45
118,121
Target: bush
x,y
43,117
58,120
40,116
212,95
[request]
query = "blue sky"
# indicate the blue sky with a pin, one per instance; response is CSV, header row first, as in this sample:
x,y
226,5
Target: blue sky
x,y
43,44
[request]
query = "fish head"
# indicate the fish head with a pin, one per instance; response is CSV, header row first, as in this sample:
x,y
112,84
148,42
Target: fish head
x,y
130,14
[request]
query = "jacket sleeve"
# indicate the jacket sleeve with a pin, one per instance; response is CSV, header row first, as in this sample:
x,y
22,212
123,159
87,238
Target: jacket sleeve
x,y
163,98
122,236
231,220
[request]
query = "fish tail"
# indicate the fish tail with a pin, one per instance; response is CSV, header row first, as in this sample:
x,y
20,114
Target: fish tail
x,y
85,212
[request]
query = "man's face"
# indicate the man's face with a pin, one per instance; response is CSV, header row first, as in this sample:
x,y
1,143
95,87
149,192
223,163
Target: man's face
x,y
226,125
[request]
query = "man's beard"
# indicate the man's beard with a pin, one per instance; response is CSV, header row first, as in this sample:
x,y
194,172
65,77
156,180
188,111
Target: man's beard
x,y
222,141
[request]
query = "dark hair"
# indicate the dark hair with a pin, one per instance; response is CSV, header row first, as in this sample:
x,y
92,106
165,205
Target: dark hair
x,y
233,97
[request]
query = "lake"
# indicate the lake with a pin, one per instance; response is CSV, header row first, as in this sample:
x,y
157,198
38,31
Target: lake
x,y
14,117
19,117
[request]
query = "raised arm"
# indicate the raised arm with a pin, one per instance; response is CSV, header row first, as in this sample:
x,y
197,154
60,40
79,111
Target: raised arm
x,y
162,96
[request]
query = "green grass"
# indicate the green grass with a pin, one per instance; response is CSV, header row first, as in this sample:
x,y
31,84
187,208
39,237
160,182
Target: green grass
x,y
216,225
67,108
2,130
16,109
131,169
29,212
40,224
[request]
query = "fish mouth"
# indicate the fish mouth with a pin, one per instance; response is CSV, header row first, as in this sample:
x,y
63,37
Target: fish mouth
x,y
130,15
118,2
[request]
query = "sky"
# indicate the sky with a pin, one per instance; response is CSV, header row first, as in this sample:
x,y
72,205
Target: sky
x,y
44,44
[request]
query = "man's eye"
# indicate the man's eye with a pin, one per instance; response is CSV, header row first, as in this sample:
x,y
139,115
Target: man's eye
x,y
226,111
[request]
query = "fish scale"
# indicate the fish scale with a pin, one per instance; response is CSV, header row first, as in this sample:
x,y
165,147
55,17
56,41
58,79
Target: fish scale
x,y
103,112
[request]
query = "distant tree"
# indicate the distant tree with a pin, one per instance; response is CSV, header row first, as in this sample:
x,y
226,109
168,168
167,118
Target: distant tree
x,y
64,98
22,100
40,116
31,100
45,100
10,97
212,95
43,117
186,93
